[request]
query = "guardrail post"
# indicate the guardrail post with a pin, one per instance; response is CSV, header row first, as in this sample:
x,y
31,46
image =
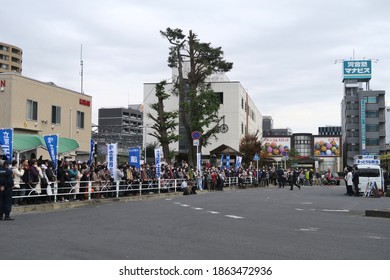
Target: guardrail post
x,y
117,188
55,191
159,185
140,187
89,190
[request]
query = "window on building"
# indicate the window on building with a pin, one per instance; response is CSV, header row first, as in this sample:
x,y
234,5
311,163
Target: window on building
x,y
219,96
352,147
32,110
372,141
242,128
370,99
372,127
55,115
242,103
372,114
80,119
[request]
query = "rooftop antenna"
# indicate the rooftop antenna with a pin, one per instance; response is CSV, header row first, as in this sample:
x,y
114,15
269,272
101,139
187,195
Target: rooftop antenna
x,y
82,69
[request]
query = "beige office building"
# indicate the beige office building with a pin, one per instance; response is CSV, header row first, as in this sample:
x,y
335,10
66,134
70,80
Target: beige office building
x,y
10,58
33,107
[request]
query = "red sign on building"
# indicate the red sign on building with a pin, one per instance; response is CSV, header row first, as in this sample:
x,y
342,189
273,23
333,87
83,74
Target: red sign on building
x,y
2,83
85,102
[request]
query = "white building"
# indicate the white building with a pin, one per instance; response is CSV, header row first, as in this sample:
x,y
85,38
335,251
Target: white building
x,y
239,111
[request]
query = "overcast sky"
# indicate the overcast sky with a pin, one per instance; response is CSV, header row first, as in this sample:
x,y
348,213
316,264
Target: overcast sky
x,y
283,51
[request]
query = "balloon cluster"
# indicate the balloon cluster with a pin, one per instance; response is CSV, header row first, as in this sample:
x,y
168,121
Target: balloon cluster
x,y
273,149
322,148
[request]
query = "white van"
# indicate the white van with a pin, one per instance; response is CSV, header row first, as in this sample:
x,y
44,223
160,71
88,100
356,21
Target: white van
x,y
369,173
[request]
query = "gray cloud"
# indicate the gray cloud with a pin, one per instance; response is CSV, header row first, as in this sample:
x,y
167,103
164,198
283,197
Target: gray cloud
x,y
283,51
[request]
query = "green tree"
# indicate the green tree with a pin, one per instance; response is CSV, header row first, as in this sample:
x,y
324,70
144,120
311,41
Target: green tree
x,y
165,122
249,146
198,104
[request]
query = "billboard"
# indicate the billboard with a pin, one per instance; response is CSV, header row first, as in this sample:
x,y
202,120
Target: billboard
x,y
357,69
276,146
327,147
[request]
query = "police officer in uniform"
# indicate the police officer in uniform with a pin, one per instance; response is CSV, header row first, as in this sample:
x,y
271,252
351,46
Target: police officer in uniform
x,y
6,184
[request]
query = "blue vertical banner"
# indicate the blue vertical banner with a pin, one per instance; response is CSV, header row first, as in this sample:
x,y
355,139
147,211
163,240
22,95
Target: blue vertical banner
x,y
238,162
157,159
6,142
91,152
51,142
228,162
112,152
199,163
221,166
135,157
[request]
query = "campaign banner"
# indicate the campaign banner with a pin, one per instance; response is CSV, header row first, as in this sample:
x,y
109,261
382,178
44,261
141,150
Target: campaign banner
x,y
157,158
91,152
51,142
222,156
227,161
199,162
134,157
6,142
238,162
112,152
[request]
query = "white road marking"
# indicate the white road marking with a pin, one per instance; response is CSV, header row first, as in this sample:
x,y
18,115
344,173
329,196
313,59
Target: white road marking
x,y
184,205
197,208
177,202
335,210
234,217
309,229
307,203
298,209
212,212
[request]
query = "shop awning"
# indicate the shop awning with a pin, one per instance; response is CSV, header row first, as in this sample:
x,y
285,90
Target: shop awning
x,y
67,145
28,142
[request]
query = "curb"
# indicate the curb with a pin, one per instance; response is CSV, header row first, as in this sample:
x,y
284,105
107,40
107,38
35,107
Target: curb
x,y
385,213
45,207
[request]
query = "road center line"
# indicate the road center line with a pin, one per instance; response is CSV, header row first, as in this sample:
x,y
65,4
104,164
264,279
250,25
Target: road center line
x,y
234,217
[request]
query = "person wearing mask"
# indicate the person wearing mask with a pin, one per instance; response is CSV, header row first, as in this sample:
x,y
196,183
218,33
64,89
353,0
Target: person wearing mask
x,y
6,185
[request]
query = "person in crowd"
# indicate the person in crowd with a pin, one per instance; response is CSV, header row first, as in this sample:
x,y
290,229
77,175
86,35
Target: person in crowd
x,y
355,180
292,180
214,178
36,175
349,182
6,185
17,175
25,184
281,177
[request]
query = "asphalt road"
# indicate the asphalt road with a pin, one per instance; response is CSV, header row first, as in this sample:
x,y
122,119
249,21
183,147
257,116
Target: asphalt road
x,y
314,223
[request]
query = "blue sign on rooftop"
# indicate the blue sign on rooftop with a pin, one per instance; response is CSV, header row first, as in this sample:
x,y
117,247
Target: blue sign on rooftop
x,y
357,69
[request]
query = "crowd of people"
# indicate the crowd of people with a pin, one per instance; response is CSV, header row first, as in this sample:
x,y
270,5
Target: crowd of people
x,y
35,176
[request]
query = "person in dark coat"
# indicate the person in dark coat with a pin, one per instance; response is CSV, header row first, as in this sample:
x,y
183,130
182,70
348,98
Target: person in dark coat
x,y
355,180
6,185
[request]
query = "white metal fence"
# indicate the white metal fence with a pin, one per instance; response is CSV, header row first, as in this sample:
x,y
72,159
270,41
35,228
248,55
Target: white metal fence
x,y
87,190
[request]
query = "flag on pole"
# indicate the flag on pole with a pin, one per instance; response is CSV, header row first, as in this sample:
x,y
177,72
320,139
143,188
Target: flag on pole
x,y
112,152
135,157
51,142
6,142
157,158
